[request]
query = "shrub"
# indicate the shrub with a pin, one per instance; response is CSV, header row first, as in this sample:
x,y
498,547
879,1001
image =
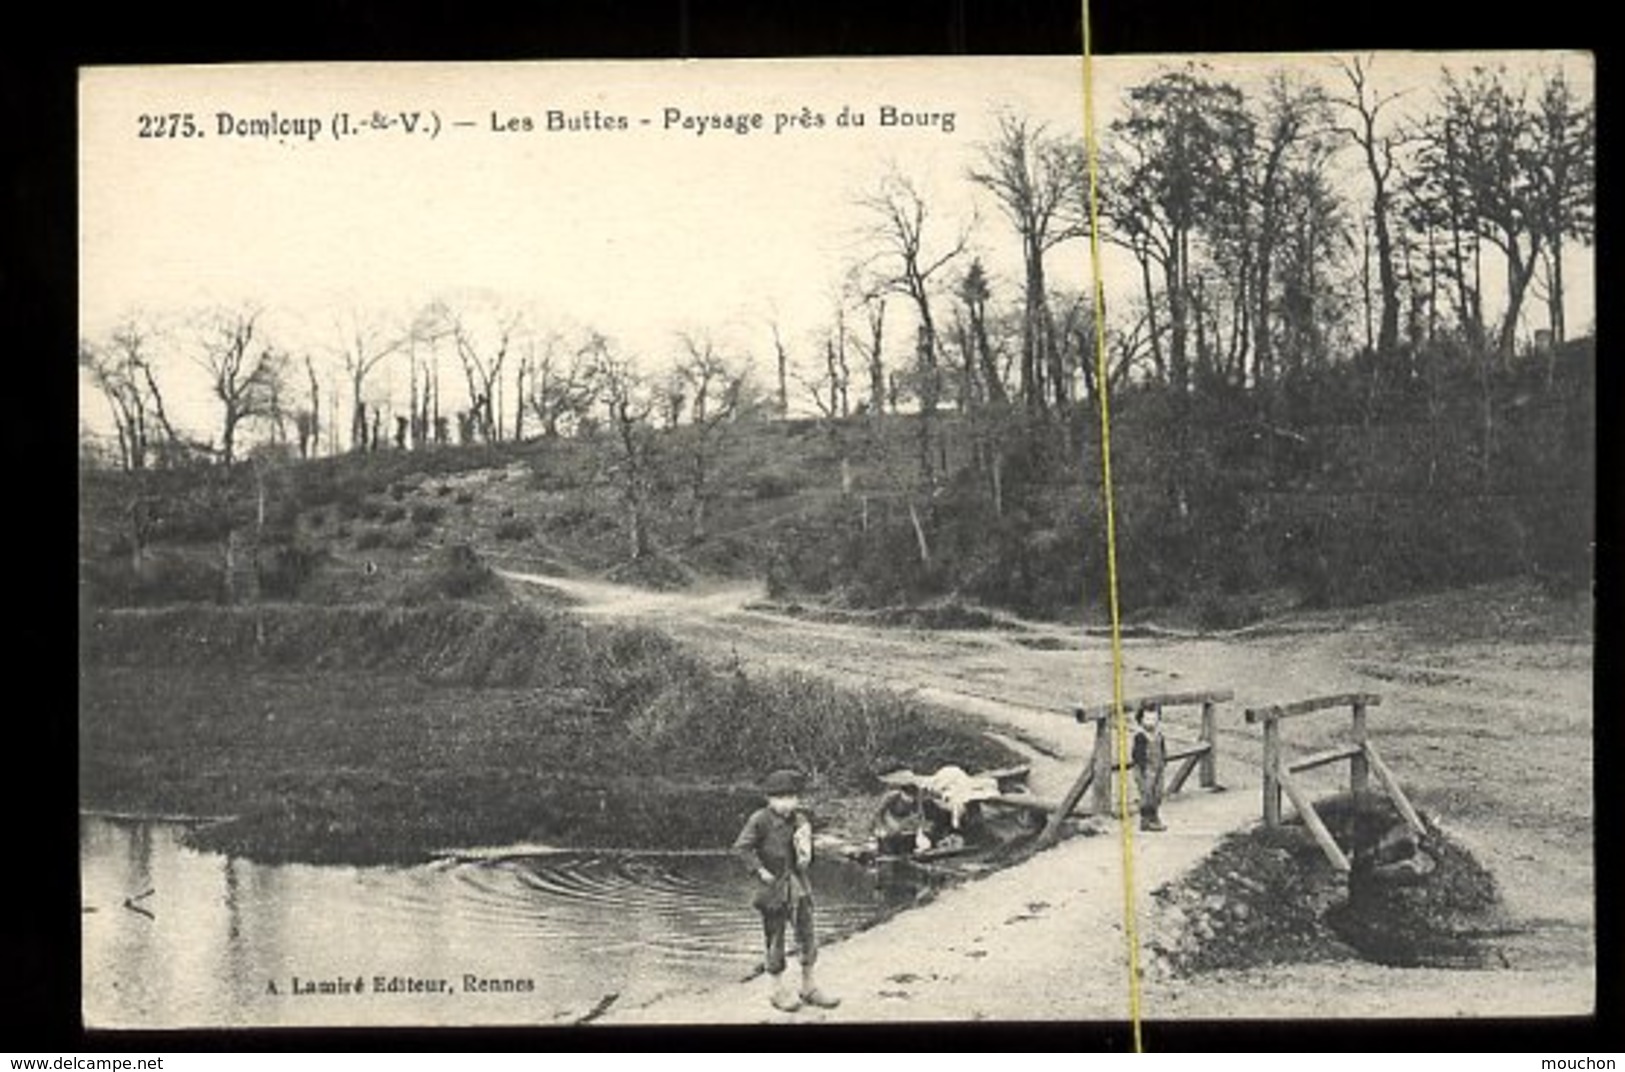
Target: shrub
x,y
442,490
456,573
429,513
164,580
1220,612
348,502
193,524
515,529
393,514
284,572
371,538
771,484
463,498
318,519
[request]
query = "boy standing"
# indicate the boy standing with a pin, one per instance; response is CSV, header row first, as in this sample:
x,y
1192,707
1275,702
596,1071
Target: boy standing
x,y
776,847
1150,761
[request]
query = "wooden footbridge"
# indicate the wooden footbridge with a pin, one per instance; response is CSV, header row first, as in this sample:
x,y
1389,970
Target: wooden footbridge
x,y
1200,754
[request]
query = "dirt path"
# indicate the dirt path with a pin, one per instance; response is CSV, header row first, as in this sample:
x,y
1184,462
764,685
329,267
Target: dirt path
x,y
1486,714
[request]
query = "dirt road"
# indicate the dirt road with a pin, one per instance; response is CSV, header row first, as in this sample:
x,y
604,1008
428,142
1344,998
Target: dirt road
x,y
1486,716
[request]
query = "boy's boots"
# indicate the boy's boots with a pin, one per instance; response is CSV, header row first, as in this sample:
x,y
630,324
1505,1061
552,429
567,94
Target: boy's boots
x,y
811,995
784,998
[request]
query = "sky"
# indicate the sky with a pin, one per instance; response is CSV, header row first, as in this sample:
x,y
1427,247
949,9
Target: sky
x,y
673,223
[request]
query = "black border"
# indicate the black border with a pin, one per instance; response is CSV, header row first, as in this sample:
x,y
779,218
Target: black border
x,y
38,284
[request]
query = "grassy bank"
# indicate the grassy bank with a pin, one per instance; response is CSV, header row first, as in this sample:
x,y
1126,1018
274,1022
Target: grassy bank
x,y
377,734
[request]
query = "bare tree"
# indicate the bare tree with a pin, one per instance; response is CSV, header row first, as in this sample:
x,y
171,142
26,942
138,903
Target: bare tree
x,y
1294,116
560,392
714,387
783,358
630,402
906,263
1497,173
1039,182
243,372
1564,150
1377,148
363,345
871,299
1169,173
123,368
111,371
308,422
484,338
974,293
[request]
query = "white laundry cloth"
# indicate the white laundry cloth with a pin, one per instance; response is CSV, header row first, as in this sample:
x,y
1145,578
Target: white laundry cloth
x,y
957,789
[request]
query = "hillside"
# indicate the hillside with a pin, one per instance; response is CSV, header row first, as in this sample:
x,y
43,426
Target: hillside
x,y
1224,513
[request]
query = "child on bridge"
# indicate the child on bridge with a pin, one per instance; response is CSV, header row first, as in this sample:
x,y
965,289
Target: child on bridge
x,y
1150,764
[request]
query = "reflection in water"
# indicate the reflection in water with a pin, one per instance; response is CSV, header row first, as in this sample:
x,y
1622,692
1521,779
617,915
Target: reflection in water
x,y
532,940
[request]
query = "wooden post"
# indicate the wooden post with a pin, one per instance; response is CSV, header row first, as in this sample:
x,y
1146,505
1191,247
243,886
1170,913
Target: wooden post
x,y
1272,769
1209,771
1105,759
1359,767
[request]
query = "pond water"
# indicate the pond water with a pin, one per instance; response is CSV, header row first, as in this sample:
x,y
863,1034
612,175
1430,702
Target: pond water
x,y
178,938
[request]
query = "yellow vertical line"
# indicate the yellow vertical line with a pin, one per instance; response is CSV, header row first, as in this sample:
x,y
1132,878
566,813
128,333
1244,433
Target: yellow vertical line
x,y
1091,141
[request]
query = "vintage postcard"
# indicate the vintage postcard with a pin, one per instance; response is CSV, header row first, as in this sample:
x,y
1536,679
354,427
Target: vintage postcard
x,y
830,541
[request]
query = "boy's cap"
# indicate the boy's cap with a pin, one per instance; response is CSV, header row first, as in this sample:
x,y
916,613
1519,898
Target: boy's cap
x,y
783,782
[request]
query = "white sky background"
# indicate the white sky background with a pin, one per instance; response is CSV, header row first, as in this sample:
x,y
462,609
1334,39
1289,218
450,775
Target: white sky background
x,y
637,233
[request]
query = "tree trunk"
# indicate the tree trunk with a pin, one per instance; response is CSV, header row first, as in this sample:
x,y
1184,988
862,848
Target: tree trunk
x,y
1555,299
919,536
228,437
1178,364
358,418
1157,359
994,383
230,556
784,373
998,482
1365,285
1519,272
1388,332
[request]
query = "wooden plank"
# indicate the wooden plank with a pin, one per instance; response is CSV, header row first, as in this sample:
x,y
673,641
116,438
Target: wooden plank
x,y
1187,751
1311,819
1191,758
1052,828
1087,712
1025,800
1391,783
1320,759
1306,707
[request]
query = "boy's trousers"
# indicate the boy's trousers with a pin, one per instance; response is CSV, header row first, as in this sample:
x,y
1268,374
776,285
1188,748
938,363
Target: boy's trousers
x,y
798,912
